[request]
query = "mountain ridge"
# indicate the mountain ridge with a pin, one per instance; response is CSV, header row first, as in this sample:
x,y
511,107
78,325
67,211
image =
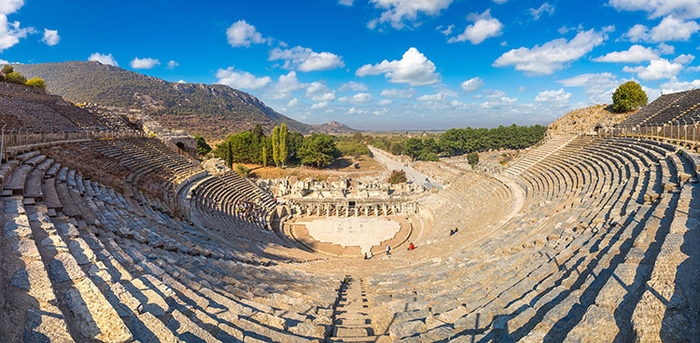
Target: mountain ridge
x,y
213,111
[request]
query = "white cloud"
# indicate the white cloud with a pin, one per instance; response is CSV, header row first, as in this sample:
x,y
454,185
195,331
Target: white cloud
x,y
635,54
319,105
545,8
660,8
559,95
413,68
353,86
432,97
472,84
669,29
10,6
241,79
346,2
484,27
172,64
656,70
104,59
597,87
305,59
144,63
359,98
385,102
553,55
243,34
317,91
397,12
673,29
293,102
181,81
285,86
498,103
398,93
665,49
11,32
445,30
674,86
51,37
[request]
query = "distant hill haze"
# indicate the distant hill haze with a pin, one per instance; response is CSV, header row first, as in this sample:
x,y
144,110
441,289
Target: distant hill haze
x,y
213,111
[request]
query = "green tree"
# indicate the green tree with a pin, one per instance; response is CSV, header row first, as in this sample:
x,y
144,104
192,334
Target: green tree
x,y
397,176
473,159
7,69
318,150
229,154
36,82
202,147
275,137
15,77
264,156
629,96
413,147
283,150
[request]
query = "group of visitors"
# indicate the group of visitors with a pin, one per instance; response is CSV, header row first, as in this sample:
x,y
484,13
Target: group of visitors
x,y
249,211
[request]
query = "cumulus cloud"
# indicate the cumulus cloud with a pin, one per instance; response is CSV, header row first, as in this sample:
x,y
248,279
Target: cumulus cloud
x,y
597,87
285,86
51,37
413,68
660,8
398,93
674,86
317,91
241,79
144,63
656,70
472,84
439,96
241,34
305,59
553,55
359,98
293,102
484,27
398,12
559,95
635,54
172,64
669,29
385,102
353,86
104,59
536,13
11,32
319,105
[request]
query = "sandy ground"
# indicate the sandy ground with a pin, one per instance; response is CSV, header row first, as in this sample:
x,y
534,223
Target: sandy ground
x,y
364,232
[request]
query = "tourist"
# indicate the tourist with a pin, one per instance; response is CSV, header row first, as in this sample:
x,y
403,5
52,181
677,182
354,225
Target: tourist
x,y
388,251
411,246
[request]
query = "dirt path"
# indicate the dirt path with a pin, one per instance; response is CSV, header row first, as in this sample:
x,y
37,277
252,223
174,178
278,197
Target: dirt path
x,y
390,164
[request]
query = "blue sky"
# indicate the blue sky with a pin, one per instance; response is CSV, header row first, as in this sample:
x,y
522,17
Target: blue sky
x,y
379,64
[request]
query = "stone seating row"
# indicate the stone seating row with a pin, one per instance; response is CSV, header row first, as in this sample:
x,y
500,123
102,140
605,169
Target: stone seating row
x,y
556,277
112,287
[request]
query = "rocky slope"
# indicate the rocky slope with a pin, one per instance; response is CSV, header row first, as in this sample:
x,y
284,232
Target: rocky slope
x,y
214,111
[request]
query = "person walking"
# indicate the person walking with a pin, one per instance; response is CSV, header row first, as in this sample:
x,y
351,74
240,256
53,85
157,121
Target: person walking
x,y
388,251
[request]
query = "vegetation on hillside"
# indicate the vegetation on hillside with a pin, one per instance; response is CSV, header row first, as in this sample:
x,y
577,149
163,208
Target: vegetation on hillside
x,y
9,75
629,96
397,176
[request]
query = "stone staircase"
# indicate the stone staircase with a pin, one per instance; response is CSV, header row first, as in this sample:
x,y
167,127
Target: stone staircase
x,y
352,314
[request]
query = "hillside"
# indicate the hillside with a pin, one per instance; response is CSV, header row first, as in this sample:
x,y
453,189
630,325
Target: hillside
x,y
214,111
584,120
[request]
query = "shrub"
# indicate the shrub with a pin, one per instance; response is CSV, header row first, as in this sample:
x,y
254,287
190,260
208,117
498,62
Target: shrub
x,y
242,170
397,176
36,82
15,77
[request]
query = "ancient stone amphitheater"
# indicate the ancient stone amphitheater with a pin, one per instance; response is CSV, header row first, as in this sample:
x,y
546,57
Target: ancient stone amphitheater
x,y
110,236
